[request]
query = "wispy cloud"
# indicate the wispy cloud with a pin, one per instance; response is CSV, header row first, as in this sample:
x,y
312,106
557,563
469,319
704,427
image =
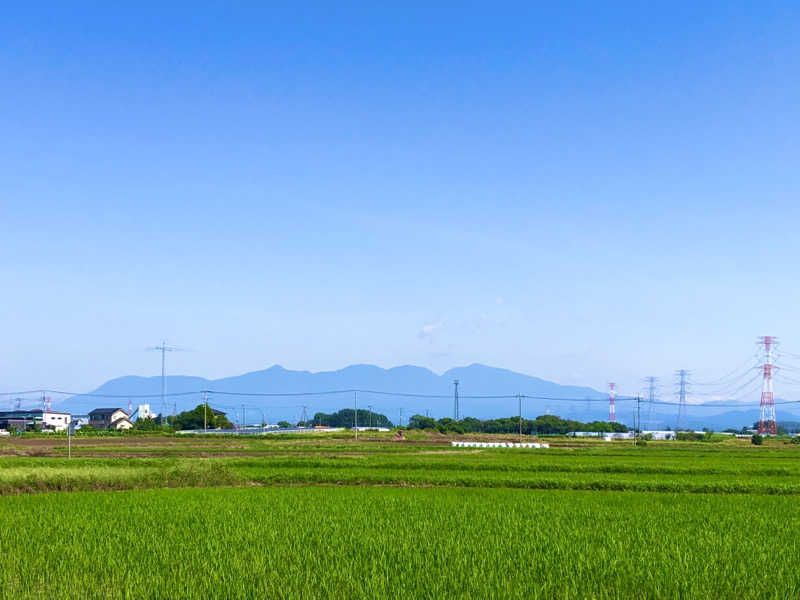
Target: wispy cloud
x,y
428,330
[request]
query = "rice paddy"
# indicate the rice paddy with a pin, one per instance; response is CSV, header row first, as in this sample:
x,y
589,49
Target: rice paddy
x,y
382,520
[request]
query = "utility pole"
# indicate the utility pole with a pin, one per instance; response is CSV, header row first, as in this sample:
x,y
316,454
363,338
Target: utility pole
x,y
243,419
638,420
305,417
369,415
519,407
401,417
355,413
205,410
455,399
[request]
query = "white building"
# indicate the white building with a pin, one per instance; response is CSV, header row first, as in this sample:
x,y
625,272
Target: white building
x,y
142,412
660,435
57,421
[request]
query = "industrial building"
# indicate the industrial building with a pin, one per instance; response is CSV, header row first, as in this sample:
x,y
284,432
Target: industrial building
x,y
23,419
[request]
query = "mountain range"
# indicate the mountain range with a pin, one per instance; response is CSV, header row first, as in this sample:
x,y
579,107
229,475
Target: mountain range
x,y
286,394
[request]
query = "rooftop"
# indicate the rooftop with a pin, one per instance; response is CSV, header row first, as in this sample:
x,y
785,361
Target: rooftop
x,y
104,411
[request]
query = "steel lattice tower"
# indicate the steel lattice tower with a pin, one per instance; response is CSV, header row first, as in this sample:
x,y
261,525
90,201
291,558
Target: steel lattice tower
x,y
163,348
612,409
683,384
767,423
651,389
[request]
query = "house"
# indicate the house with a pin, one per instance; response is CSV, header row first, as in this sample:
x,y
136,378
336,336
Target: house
x,y
109,418
47,420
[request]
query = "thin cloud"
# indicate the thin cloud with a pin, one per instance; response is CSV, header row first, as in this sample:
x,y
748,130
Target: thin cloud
x,y
428,330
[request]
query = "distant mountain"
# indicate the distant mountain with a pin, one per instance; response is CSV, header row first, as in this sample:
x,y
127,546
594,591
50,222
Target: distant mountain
x,y
390,390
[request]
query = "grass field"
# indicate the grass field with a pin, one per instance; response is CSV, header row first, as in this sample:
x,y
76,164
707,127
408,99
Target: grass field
x,y
252,519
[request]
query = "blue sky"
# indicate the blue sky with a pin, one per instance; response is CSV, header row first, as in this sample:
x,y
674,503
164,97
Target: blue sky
x,y
579,192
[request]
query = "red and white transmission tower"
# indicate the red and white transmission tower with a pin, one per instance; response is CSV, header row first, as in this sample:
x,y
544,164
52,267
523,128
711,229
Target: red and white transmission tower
x,y
612,409
767,424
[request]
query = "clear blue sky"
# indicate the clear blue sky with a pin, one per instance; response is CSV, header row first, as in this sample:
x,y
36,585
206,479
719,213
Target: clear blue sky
x,y
580,192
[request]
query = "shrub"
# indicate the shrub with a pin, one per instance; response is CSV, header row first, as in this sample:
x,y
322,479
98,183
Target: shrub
x,y
757,439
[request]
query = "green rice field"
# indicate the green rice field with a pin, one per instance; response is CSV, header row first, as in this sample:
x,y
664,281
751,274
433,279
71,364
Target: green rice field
x,y
339,520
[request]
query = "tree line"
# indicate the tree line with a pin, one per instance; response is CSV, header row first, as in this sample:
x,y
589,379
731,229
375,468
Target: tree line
x,y
543,424
346,418
196,418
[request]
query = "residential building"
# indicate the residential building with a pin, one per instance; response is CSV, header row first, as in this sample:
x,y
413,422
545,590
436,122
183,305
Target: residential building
x,y
109,418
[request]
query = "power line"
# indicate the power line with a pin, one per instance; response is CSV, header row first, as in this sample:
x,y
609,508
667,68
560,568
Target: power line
x,y
199,393
751,361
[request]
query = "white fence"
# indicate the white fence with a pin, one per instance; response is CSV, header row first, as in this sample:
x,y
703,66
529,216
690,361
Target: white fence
x,y
496,445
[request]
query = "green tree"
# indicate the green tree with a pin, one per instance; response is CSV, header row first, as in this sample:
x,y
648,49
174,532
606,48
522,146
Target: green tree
x,y
448,425
757,439
421,422
194,419
345,418
543,424
148,424
284,424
